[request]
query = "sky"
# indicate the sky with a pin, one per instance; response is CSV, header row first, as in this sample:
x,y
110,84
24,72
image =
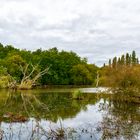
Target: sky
x,y
95,29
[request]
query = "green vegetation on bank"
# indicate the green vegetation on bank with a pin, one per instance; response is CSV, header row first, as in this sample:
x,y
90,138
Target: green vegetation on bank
x,y
122,72
24,69
123,75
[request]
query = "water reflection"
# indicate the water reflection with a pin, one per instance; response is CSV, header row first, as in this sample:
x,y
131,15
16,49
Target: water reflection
x,y
120,120
33,114
50,106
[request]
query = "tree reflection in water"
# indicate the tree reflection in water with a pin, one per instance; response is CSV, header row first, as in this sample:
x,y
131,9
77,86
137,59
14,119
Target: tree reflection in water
x,y
121,120
35,114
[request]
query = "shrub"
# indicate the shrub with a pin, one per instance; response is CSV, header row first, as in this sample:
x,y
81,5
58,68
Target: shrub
x,y
78,95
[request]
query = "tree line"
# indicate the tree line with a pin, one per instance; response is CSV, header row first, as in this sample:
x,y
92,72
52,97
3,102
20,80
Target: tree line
x,y
62,67
124,60
27,69
121,72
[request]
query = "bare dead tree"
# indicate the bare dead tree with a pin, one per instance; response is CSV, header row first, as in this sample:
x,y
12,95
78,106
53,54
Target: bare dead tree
x,y
28,79
97,79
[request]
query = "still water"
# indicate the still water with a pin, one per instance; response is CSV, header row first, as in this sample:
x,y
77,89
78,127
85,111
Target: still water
x,y
54,114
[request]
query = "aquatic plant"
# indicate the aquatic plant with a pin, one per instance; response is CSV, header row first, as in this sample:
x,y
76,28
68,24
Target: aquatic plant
x,y
78,95
128,95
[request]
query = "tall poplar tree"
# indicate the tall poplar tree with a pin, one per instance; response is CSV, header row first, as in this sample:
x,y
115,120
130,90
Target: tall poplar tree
x,y
137,61
134,58
122,60
114,63
109,62
127,59
119,61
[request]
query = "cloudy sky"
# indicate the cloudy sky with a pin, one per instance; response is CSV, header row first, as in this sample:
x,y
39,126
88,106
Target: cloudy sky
x,y
96,29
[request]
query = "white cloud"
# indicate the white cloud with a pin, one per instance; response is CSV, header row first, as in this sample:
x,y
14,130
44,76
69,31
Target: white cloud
x,y
98,29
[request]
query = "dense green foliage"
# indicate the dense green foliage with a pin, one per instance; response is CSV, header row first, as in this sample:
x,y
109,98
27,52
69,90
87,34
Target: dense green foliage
x,y
65,68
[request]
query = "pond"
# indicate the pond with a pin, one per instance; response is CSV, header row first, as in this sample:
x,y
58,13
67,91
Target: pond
x,y
53,114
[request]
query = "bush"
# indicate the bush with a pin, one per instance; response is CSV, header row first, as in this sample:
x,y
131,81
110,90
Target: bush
x,y
4,81
78,95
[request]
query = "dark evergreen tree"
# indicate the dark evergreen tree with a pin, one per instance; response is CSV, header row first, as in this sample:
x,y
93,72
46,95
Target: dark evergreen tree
x,y
137,61
119,61
122,60
133,58
114,63
127,59
130,59
109,62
